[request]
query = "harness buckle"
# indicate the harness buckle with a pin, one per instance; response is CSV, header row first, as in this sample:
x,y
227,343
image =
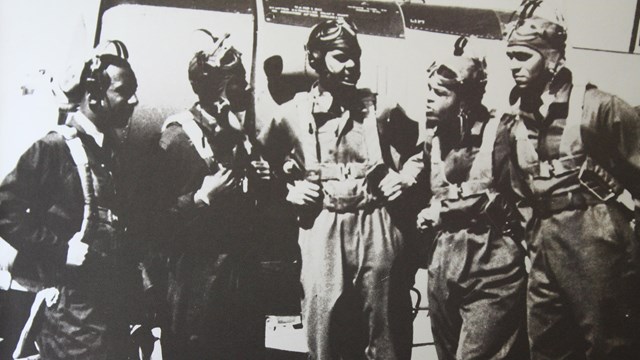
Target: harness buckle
x,y
595,184
345,171
454,192
546,169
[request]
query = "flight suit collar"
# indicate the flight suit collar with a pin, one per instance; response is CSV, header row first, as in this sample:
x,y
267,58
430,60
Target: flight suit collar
x,y
204,119
321,100
324,109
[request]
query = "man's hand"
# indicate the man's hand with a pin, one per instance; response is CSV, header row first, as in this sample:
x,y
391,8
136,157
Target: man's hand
x,y
77,249
393,184
262,169
213,185
303,193
429,218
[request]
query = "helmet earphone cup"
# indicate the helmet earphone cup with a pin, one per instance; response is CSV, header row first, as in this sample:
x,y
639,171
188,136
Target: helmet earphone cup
x,y
93,81
93,71
314,58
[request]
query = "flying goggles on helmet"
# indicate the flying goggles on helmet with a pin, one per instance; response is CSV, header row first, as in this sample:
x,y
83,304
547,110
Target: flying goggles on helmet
x,y
217,69
540,26
340,33
460,71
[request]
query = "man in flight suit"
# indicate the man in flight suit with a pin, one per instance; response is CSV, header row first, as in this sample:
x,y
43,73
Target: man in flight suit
x,y
347,181
575,152
206,213
59,208
477,277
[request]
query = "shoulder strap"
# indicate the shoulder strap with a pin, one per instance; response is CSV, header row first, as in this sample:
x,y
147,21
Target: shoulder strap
x,y
571,136
194,133
74,144
489,133
482,167
373,127
577,99
306,129
79,156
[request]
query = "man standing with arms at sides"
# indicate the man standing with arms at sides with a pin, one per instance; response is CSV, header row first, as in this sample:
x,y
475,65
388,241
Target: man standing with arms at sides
x,y
345,181
477,277
575,154
207,214
59,208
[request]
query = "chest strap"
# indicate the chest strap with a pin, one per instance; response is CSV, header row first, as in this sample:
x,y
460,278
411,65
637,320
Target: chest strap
x,y
461,191
549,169
344,204
330,171
569,200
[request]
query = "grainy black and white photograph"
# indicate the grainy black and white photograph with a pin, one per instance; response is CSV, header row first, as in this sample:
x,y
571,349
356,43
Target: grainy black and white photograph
x,y
319,179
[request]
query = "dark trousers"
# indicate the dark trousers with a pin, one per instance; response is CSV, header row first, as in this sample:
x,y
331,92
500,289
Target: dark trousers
x,y
79,326
357,302
214,309
477,284
14,312
584,299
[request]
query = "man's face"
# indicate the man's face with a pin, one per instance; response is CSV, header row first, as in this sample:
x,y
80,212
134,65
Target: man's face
x,y
120,97
442,103
342,68
230,86
527,65
237,90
